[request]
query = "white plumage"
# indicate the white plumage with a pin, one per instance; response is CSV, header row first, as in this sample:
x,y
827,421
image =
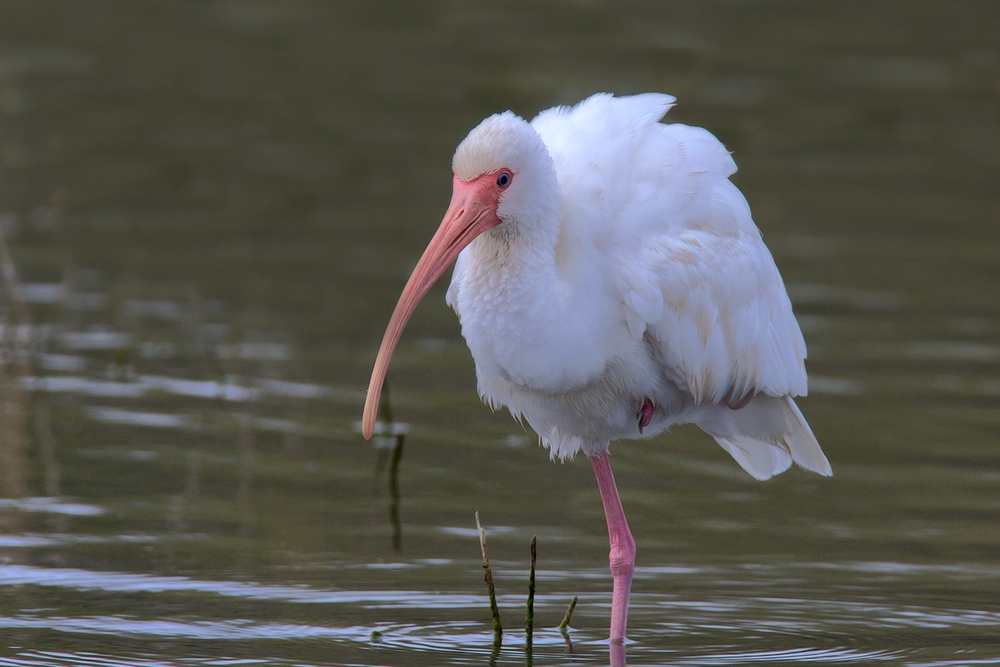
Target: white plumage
x,y
610,283
646,279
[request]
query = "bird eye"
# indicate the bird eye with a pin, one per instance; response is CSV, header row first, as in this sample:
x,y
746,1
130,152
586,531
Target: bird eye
x,y
503,180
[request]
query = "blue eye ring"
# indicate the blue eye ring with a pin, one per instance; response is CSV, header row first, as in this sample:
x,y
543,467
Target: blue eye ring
x,y
503,180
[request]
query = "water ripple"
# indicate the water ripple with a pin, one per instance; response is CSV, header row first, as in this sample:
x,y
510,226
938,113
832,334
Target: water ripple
x,y
14,575
837,655
205,630
49,505
89,659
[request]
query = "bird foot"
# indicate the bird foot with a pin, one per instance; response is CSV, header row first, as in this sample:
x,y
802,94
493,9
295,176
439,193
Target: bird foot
x,y
645,414
733,404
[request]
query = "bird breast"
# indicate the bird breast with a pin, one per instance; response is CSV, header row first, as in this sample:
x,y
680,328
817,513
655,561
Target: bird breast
x,y
557,352
527,325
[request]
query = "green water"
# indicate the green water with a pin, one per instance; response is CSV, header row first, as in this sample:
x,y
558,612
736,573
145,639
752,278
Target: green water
x,y
211,207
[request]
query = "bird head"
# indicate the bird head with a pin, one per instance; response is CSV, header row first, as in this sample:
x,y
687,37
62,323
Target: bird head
x,y
507,144
505,187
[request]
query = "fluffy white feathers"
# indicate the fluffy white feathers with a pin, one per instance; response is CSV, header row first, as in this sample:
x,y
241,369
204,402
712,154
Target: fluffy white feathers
x,y
691,266
637,272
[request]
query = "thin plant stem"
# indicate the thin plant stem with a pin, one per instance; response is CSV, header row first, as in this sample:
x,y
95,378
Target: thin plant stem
x,y
529,619
497,627
569,614
397,526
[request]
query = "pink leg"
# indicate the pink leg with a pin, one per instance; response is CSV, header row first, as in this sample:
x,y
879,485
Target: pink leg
x,y
622,555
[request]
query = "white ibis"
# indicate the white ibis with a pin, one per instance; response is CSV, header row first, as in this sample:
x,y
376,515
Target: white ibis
x,y
611,283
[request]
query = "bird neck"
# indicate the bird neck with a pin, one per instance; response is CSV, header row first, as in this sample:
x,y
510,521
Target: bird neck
x,y
511,255
522,313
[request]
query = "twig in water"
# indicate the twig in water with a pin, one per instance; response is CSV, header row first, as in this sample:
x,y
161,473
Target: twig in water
x,y
397,526
569,614
529,619
497,628
389,431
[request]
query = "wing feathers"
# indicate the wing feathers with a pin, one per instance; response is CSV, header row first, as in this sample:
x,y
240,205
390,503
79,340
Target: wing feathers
x,y
766,436
694,276
722,320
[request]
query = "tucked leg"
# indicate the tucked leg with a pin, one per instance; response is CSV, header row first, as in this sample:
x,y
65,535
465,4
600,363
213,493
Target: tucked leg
x,y
646,414
622,554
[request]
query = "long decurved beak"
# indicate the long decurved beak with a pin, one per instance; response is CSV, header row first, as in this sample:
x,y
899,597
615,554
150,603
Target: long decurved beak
x,y
472,211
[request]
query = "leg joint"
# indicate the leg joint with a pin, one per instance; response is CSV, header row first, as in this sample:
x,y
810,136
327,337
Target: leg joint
x,y
622,557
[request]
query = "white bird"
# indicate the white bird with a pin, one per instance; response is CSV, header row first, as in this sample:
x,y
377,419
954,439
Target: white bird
x,y
610,283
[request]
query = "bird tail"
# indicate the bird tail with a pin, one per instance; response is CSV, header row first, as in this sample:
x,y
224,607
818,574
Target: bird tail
x,y
766,435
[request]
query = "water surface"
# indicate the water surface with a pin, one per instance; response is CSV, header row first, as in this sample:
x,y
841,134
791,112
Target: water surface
x,y
209,210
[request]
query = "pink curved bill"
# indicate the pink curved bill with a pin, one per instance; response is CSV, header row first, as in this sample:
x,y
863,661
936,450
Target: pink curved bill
x,y
472,211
